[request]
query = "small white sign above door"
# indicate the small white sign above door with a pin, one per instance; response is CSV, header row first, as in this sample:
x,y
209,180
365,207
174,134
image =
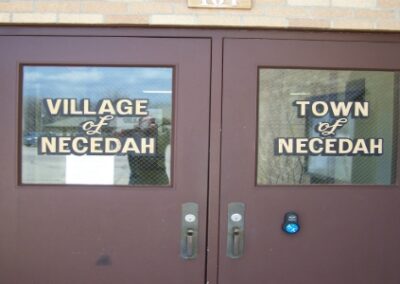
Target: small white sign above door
x,y
220,4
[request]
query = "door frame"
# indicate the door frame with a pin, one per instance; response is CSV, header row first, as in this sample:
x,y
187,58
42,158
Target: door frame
x,y
217,37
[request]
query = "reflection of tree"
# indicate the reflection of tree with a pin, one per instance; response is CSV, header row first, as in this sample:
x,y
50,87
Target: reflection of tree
x,y
35,115
278,118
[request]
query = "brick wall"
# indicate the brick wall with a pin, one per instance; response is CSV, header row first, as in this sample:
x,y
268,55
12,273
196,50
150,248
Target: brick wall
x,y
326,14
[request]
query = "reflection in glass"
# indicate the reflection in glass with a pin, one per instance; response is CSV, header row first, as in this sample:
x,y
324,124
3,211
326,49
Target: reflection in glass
x,y
96,84
278,116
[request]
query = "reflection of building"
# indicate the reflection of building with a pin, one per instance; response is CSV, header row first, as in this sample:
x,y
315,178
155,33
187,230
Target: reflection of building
x,y
72,125
127,122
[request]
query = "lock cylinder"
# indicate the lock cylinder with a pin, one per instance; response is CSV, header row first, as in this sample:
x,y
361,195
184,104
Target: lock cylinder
x,y
291,224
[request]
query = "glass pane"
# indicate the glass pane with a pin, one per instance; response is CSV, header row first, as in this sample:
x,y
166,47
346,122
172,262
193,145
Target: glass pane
x,y
96,125
326,126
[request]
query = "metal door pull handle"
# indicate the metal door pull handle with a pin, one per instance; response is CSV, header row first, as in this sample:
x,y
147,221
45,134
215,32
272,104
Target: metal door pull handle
x,y
235,230
236,241
189,231
189,242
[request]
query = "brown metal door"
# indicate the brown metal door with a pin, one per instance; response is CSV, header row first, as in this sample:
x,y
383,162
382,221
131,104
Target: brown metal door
x,y
347,204
58,233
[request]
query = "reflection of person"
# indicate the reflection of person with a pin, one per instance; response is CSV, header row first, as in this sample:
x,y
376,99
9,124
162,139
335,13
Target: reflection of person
x,y
145,169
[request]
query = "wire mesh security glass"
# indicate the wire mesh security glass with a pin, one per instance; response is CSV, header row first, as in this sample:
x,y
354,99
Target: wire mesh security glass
x,y
96,125
327,127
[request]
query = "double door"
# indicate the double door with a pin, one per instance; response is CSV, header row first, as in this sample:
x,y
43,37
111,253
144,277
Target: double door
x,y
109,143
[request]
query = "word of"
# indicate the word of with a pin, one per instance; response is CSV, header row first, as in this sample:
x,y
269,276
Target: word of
x,y
91,127
326,129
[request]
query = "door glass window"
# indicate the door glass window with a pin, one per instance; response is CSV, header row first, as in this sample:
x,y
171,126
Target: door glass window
x,y
327,126
96,125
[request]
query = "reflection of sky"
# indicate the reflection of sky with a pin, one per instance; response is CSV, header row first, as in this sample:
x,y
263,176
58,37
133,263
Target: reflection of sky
x,y
98,82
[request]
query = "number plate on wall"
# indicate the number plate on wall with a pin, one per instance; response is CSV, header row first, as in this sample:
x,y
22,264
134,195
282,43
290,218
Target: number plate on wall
x,y
221,4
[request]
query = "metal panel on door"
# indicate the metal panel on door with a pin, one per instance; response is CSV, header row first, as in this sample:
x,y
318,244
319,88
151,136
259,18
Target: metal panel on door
x,y
277,93
88,217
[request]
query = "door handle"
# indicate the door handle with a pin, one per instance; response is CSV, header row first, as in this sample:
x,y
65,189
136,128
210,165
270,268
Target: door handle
x,y
189,243
189,230
235,241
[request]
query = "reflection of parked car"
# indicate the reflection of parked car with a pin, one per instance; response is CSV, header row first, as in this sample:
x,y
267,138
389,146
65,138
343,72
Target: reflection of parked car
x,y
31,138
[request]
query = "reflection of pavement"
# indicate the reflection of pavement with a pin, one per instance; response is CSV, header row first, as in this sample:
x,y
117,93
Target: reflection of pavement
x,y
41,169
121,170
51,168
